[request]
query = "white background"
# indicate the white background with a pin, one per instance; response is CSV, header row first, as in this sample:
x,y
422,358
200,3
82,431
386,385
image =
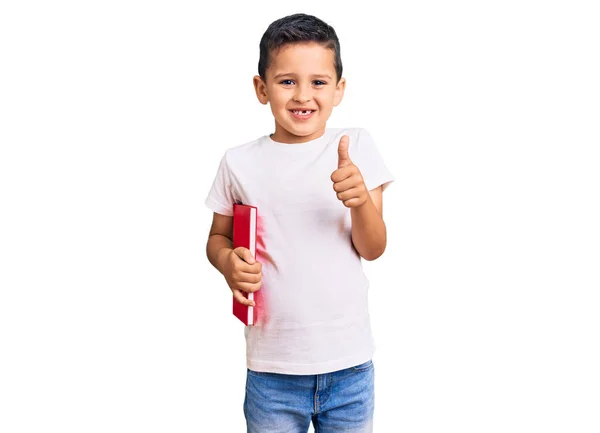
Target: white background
x,y
113,118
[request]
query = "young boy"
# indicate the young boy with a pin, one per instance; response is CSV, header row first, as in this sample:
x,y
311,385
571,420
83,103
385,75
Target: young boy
x,y
318,192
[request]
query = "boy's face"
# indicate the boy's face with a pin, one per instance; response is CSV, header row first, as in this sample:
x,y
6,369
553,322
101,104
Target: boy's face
x,y
300,76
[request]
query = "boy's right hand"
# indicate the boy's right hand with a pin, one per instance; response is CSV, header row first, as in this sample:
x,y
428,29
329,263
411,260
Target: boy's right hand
x,y
242,273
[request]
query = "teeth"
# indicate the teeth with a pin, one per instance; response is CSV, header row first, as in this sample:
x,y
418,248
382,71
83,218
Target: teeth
x,y
303,113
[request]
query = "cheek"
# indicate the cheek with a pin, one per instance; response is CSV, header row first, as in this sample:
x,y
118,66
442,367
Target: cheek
x,y
275,95
326,104
326,99
279,100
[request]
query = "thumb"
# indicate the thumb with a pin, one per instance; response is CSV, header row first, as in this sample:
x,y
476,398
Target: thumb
x,y
245,255
343,157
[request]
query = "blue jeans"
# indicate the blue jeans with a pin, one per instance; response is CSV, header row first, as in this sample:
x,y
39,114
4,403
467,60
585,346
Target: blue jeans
x,y
341,401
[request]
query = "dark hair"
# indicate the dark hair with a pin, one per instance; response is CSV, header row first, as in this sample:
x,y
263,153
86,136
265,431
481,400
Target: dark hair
x,y
295,29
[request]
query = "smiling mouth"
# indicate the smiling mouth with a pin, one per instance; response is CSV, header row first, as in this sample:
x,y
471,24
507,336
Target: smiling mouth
x,y
302,112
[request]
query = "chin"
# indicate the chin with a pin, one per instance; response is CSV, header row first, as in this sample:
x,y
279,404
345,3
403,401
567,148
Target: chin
x,y
300,132
306,129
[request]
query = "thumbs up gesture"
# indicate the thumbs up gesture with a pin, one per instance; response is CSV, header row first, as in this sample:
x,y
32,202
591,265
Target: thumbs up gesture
x,y
347,179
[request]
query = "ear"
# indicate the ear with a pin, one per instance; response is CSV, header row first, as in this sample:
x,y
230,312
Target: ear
x,y
339,92
260,88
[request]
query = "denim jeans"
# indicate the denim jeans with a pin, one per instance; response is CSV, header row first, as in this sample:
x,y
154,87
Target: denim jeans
x,y
337,402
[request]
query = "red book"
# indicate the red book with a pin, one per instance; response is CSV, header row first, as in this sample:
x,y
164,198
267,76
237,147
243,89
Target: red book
x,y
244,235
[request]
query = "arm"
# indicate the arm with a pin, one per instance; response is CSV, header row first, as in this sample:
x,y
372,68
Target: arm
x,y
368,228
219,243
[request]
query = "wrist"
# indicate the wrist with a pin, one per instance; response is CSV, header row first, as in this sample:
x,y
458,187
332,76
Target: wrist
x,y
222,257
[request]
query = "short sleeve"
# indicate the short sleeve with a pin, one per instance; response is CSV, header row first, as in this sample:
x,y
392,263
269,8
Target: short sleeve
x,y
370,163
220,197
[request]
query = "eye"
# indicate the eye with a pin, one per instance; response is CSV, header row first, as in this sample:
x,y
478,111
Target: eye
x,y
286,82
319,83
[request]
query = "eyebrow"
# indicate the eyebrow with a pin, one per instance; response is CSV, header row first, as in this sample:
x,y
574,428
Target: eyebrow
x,y
291,74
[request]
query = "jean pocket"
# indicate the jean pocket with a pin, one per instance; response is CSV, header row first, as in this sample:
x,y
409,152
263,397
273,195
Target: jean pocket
x,y
364,366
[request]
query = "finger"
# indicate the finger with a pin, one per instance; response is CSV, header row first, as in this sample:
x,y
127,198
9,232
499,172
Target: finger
x,y
353,202
246,277
345,184
349,194
244,254
241,267
249,287
343,157
342,173
238,296
255,268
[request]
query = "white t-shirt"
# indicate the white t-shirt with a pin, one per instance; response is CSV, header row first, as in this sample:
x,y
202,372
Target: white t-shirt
x,y
315,317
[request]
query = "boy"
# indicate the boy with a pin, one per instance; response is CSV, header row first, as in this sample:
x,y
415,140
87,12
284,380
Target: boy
x,y
309,356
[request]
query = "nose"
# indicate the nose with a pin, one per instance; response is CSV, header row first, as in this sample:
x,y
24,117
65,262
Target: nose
x,y
302,94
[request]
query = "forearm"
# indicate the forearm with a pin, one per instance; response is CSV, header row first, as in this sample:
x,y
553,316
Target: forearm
x,y
217,248
368,230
